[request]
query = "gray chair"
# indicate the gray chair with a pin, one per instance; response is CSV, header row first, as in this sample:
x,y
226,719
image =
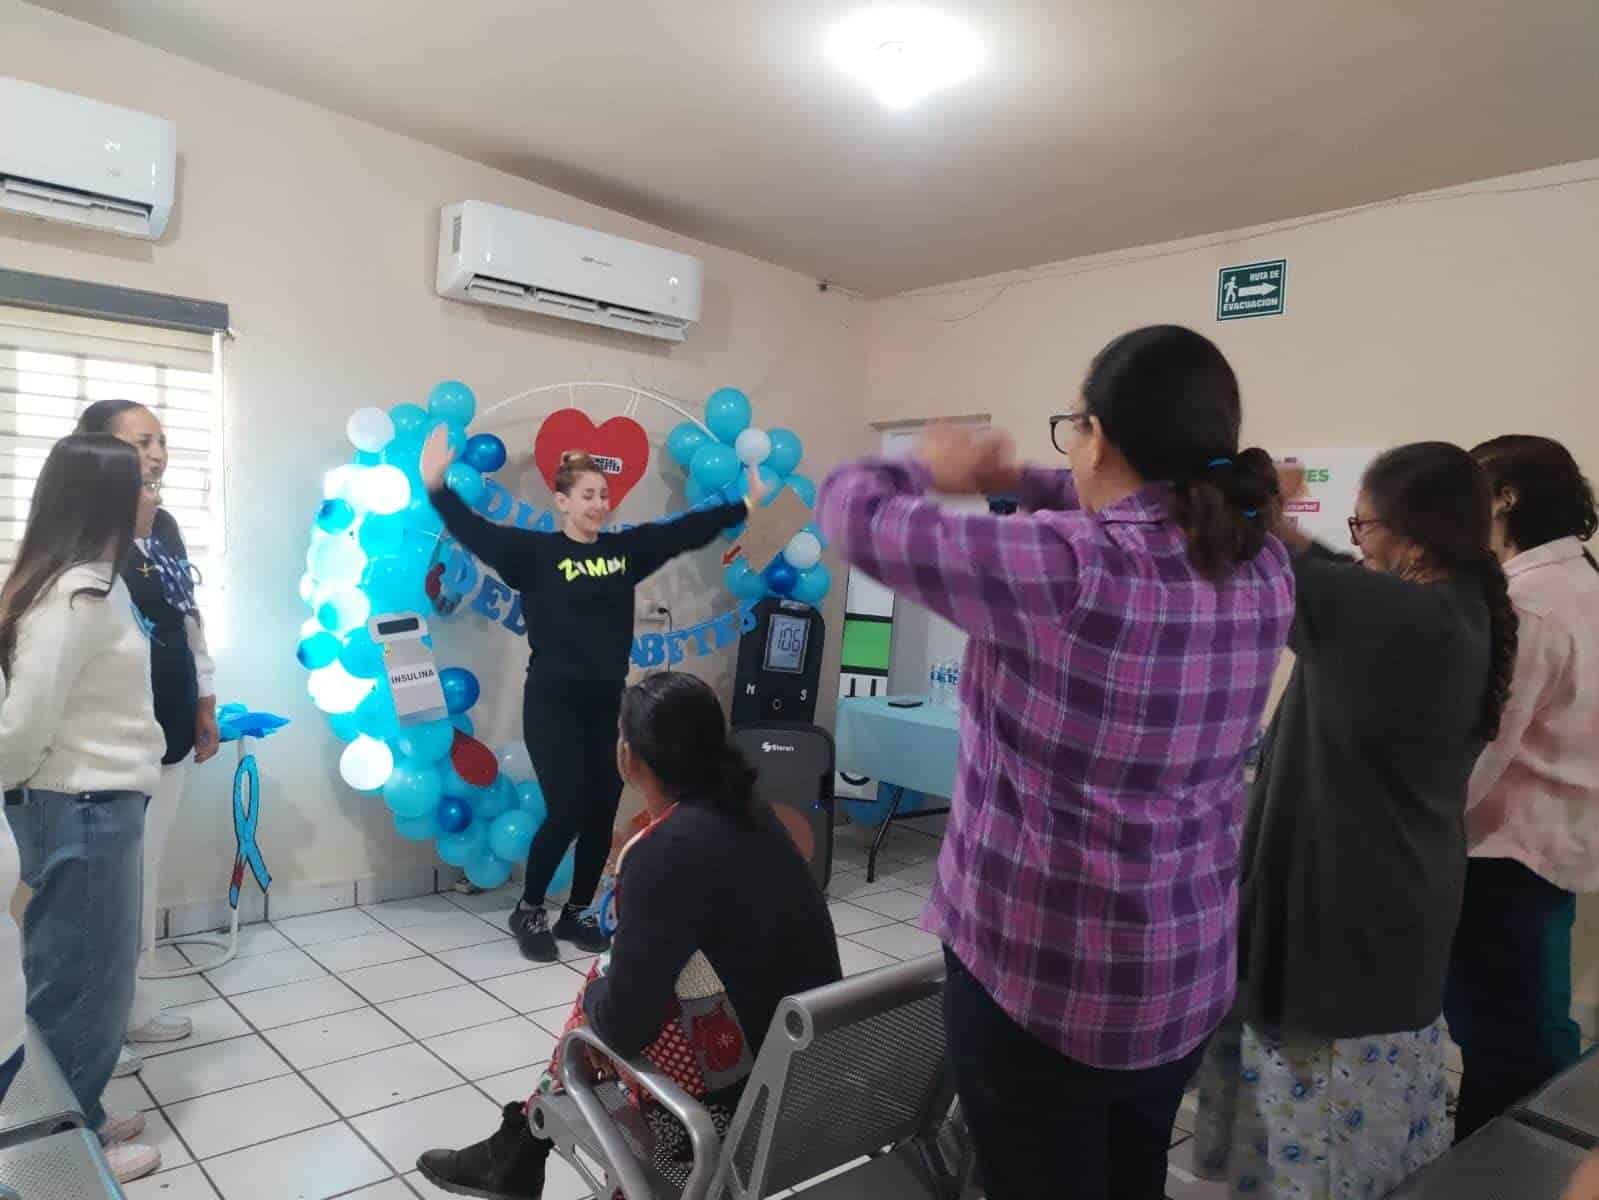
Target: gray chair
x,y
64,1166
1504,1160
852,1078
1568,1105
40,1101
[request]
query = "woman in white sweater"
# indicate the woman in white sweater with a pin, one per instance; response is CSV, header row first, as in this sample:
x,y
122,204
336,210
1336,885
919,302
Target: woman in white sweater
x,y
80,753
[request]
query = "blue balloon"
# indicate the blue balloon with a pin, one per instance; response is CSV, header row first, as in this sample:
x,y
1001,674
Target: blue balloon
x,y
412,789
318,650
733,532
812,584
465,481
495,800
683,441
487,872
743,582
485,452
727,414
367,458
804,489
715,466
511,834
409,420
346,726
464,723
461,688
694,491
780,577
458,849
361,656
335,516
530,799
427,742
455,785
396,584
455,814
787,450
418,829
382,536
771,482
452,401
376,716
561,881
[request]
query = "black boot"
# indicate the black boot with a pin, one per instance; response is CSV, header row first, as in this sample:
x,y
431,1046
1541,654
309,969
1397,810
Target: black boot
x,y
532,929
507,1166
582,929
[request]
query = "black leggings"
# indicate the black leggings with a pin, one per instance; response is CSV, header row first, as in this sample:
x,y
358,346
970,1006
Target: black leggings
x,y
570,729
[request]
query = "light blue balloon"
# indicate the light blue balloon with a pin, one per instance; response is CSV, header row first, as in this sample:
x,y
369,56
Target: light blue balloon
x,y
812,584
512,834
495,800
367,458
455,785
771,481
396,584
787,450
743,582
452,401
346,726
382,536
376,716
530,799
488,872
727,414
335,559
464,723
804,489
815,531
465,481
561,881
412,789
458,849
715,466
335,516
427,742
361,656
683,441
409,420
694,491
318,650
733,532
418,829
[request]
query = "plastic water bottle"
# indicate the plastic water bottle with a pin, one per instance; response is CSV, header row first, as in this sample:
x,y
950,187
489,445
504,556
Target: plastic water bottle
x,y
953,680
935,684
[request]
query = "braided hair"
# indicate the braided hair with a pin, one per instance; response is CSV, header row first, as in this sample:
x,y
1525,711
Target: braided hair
x,y
1436,496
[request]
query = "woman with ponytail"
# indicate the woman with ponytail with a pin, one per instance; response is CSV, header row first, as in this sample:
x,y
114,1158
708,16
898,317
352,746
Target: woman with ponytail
x,y
1354,855
1123,636
718,918
1532,817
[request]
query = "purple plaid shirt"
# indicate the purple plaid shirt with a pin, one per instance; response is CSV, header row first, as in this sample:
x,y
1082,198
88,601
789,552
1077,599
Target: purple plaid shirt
x,y
1109,694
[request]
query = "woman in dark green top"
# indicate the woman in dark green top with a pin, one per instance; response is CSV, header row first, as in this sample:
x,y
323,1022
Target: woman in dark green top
x,y
1354,853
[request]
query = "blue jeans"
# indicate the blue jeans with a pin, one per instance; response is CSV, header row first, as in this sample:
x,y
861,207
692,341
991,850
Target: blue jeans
x,y
83,855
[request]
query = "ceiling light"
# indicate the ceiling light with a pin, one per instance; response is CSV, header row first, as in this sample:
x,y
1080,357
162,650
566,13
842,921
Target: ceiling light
x,y
904,54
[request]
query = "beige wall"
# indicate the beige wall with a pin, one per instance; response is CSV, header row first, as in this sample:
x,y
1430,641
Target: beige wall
x,y
1456,318
319,232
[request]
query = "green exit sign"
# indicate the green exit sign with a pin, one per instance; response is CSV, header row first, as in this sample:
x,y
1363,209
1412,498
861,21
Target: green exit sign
x,y
1252,290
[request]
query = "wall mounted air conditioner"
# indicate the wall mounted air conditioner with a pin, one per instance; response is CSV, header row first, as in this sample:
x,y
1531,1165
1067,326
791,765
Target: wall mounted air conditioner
x,y
65,158
494,255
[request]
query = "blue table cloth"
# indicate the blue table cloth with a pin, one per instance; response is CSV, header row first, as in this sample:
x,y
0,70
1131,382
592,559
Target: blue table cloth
x,y
913,748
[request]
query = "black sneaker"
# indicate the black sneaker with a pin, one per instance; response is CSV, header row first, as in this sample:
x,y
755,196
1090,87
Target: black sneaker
x,y
582,928
507,1166
533,937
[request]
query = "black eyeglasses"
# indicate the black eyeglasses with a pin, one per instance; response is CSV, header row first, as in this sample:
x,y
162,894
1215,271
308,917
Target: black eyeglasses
x,y
1356,524
1077,420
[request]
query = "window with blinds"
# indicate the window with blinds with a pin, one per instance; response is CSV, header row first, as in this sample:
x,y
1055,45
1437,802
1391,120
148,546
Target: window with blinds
x,y
52,366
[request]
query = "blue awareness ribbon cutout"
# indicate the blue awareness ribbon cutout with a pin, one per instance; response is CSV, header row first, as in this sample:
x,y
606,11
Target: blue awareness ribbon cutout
x,y
244,827
607,913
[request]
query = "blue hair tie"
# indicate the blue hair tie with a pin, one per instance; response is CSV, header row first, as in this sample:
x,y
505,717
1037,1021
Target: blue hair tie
x,y
1218,462
1251,513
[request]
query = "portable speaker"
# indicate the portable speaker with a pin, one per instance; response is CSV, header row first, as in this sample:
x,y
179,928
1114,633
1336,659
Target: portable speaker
x,y
795,766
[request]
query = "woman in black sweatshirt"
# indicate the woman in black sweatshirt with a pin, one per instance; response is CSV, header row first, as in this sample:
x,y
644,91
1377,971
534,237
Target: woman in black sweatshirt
x,y
577,599
712,890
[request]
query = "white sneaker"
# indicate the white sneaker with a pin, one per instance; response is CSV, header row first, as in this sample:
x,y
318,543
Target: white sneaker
x,y
129,1062
163,1027
120,1127
132,1160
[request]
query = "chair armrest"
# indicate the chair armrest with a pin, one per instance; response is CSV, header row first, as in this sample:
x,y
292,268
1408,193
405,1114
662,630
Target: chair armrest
x,y
577,1077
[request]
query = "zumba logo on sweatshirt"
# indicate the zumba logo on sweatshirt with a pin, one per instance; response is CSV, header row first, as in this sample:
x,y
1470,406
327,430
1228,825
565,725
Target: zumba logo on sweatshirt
x,y
591,568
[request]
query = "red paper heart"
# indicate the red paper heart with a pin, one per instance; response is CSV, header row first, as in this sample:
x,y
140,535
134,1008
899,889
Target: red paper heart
x,y
473,761
620,446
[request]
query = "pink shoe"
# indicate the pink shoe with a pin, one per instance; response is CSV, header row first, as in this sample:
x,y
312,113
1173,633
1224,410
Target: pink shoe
x,y
132,1160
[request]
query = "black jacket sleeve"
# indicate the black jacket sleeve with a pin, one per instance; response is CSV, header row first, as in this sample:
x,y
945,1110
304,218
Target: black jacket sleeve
x,y
650,547
1341,606
510,552
664,913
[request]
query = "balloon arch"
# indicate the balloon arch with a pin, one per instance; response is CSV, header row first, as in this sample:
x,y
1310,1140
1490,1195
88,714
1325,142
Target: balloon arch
x,y
377,546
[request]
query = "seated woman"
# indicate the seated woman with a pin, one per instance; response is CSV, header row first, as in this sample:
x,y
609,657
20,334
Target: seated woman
x,y
1354,855
713,900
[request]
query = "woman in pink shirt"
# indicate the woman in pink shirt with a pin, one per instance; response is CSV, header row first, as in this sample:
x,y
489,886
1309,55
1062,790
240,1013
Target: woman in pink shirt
x,y
1533,807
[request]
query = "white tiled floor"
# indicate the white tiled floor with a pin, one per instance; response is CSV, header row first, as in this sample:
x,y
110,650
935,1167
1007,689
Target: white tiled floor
x,y
341,1045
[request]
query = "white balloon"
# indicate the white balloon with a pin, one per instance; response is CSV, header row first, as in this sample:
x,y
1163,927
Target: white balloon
x,y
804,551
382,490
337,482
515,761
336,559
307,587
369,429
351,607
752,446
335,690
366,764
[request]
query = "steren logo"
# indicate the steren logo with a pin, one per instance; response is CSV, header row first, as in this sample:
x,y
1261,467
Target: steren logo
x,y
773,747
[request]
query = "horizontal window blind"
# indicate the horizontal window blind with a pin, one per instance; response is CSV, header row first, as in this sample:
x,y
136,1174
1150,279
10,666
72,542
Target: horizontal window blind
x,y
52,366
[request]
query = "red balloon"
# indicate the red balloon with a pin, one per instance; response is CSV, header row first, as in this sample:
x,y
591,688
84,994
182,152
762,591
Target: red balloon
x,y
473,761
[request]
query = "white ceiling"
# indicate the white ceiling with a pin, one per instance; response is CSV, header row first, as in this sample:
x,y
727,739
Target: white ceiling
x,y
1098,124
